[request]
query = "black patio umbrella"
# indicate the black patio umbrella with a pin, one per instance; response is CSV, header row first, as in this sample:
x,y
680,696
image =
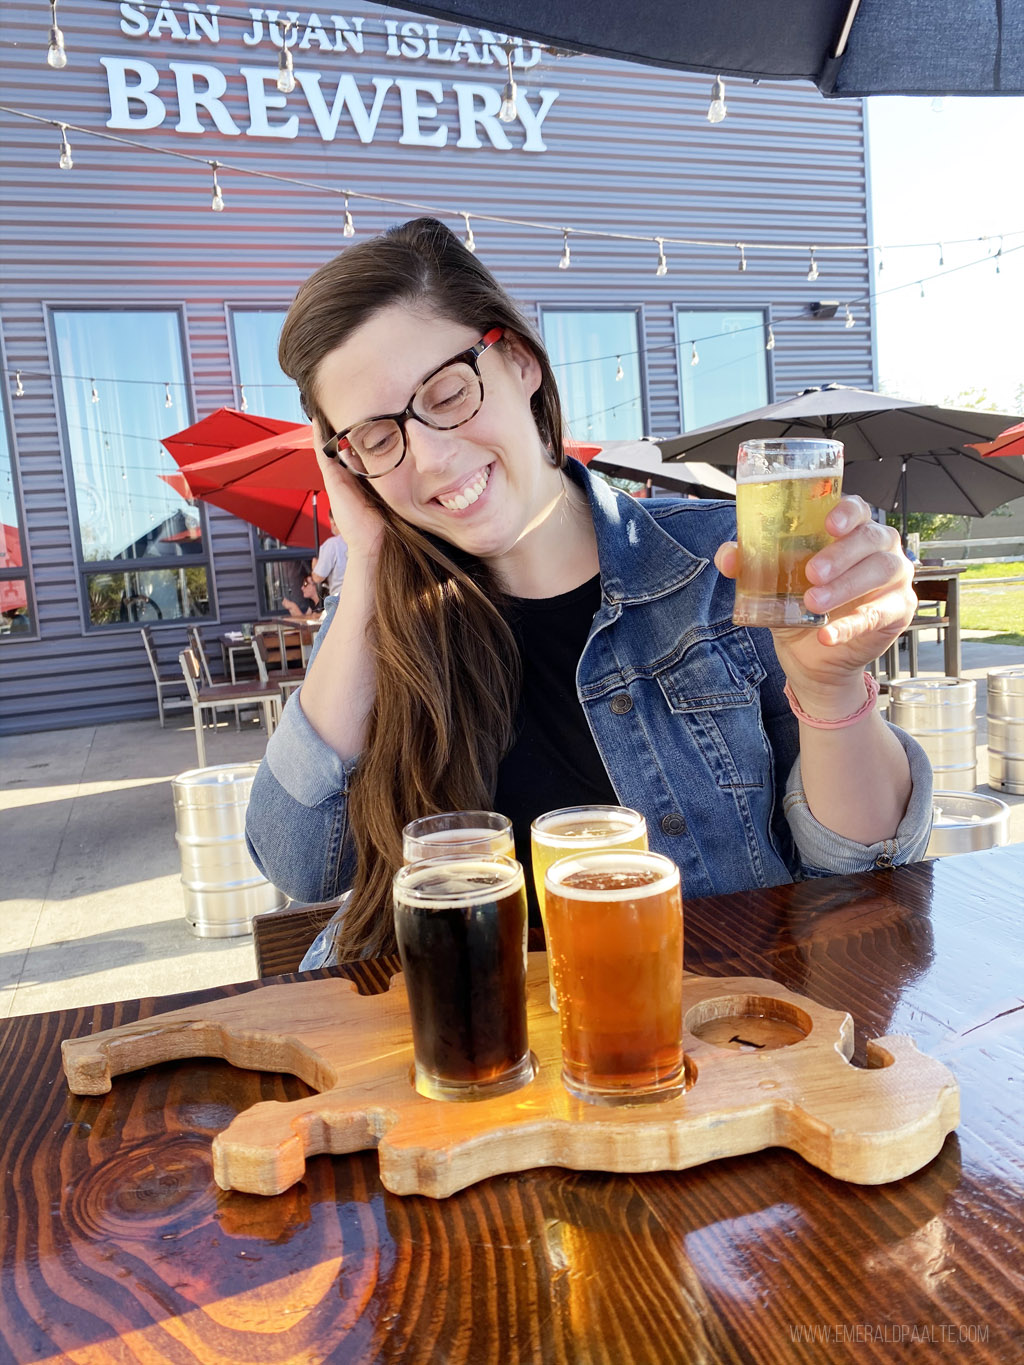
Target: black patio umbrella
x,y
641,460
846,47
899,455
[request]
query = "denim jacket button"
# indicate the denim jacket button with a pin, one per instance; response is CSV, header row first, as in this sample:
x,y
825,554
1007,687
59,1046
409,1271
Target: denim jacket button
x,y
673,824
621,703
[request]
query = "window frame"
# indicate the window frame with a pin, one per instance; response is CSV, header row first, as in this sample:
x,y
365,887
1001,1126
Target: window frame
x,y
260,556
769,362
84,569
25,573
639,314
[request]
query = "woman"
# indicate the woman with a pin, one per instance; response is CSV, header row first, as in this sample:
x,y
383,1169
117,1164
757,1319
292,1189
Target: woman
x,y
311,607
513,634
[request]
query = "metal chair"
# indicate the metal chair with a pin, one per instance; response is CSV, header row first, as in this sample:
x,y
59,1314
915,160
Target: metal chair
x,y
275,670
210,700
195,641
168,683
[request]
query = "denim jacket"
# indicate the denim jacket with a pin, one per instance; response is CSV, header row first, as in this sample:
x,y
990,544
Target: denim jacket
x,y
687,711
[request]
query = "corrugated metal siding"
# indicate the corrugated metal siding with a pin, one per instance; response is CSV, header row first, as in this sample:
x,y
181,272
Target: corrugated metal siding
x,y
630,150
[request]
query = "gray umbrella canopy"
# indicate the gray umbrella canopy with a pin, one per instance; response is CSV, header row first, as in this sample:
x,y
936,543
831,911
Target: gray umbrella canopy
x,y
641,460
846,47
900,455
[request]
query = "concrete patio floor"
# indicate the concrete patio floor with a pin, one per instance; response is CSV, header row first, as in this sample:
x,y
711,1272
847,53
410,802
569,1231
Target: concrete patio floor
x,y
92,907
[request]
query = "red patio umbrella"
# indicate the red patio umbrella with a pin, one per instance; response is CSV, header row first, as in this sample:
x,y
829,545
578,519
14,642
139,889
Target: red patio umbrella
x,y
12,590
268,476
1008,442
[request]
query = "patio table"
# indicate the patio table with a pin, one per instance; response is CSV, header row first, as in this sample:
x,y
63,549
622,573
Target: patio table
x,y
116,1244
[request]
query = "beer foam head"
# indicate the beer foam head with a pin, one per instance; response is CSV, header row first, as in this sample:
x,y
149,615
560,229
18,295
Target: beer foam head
x,y
624,874
573,826
457,882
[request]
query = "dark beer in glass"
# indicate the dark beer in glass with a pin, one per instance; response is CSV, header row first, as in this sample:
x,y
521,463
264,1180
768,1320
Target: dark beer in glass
x,y
461,928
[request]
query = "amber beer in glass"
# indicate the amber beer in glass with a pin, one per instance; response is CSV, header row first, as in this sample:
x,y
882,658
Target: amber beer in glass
x,y
573,828
615,944
461,929
784,491
457,831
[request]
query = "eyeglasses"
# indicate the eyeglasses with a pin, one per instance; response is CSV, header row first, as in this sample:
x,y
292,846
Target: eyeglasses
x,y
448,398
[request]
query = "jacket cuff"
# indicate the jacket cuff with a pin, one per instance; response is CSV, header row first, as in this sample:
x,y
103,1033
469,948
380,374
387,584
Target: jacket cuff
x,y
825,853
304,764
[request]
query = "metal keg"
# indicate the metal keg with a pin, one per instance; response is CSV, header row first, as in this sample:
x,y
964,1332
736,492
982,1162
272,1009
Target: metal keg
x,y
223,887
940,714
964,824
1006,729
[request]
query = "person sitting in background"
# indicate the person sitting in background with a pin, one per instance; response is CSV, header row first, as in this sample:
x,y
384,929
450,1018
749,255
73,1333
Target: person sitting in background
x,y
329,565
310,608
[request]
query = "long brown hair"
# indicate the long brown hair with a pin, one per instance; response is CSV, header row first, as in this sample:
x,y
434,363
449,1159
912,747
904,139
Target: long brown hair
x,y
446,662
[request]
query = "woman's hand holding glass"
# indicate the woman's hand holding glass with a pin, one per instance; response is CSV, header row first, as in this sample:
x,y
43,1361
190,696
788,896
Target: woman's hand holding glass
x,y
864,581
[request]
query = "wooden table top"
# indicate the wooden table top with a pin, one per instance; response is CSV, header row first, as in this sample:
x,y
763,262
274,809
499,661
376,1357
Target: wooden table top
x,y
118,1246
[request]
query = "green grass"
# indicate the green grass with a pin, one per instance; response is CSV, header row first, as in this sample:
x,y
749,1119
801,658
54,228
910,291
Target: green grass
x,y
999,608
992,571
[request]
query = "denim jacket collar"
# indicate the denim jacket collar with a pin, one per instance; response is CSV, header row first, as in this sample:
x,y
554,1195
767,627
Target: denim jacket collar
x,y
639,561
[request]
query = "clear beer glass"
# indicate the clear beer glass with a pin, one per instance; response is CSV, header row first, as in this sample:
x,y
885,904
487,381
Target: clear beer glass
x,y
461,929
573,828
615,944
784,491
458,832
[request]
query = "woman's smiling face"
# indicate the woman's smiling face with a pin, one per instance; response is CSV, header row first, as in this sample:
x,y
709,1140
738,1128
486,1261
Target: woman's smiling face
x,y
479,486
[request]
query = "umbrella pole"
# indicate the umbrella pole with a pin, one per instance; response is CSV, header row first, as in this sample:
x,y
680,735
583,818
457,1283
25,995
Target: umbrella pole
x,y
903,503
316,529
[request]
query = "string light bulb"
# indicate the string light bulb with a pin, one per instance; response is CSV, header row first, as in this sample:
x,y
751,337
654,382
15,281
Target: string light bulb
x,y
717,108
217,202
850,320
662,262
812,273
694,357
942,255
507,112
998,255
66,162
168,400
285,65
881,259
741,267
56,56
769,345
469,241
566,259
243,402
349,230
94,397
620,373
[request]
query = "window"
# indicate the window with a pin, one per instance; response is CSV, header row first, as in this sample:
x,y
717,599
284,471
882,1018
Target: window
x,y
269,391
17,608
732,373
141,544
597,364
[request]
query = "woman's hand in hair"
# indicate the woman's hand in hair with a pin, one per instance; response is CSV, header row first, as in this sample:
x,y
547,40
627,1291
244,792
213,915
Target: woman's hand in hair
x,y
864,581
359,522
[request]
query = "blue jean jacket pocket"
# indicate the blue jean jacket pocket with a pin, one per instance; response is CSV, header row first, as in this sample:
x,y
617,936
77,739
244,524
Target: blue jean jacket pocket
x,y
712,684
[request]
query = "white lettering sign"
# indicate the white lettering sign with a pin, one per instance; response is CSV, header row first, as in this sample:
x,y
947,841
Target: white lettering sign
x,y
432,112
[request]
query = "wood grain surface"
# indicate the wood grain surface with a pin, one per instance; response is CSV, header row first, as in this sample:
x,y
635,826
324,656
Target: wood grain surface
x,y
117,1245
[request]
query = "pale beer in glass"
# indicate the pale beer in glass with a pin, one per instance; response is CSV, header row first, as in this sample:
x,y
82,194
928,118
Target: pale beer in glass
x,y
457,831
784,491
574,828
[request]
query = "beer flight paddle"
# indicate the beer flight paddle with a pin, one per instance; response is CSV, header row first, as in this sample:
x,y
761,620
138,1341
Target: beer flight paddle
x,y
763,1067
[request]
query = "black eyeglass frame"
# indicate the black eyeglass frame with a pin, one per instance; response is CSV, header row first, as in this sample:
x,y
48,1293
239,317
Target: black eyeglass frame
x,y
333,447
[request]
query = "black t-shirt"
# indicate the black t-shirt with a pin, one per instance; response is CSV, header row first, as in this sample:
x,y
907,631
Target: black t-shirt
x,y
554,761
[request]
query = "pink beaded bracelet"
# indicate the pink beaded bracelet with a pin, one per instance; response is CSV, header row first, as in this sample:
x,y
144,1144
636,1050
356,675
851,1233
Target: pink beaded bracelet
x,y
815,724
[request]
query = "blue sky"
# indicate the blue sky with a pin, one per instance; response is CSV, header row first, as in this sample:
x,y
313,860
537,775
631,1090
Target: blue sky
x,y
941,172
